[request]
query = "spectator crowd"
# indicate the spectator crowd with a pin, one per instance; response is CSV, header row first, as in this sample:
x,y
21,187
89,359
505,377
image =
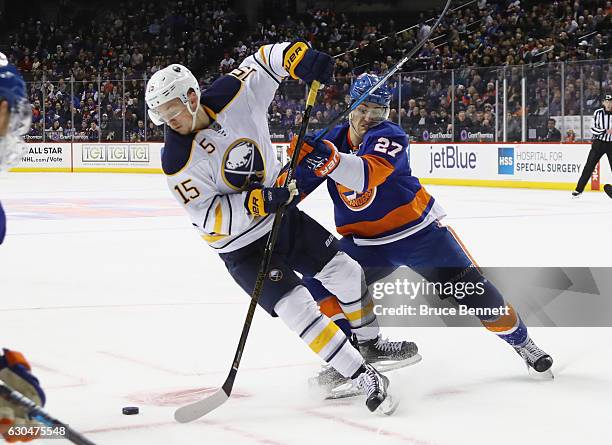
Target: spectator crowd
x,y
87,78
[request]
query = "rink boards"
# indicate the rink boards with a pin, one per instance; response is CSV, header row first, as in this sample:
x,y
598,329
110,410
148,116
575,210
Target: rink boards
x,y
530,165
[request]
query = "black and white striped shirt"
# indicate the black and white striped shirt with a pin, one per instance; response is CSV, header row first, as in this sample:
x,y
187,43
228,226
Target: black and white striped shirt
x,y
602,121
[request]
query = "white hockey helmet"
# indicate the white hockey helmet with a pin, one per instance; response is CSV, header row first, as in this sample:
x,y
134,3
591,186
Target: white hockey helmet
x,y
174,81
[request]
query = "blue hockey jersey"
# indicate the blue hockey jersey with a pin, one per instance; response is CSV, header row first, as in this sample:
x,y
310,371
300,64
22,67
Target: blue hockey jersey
x,y
393,204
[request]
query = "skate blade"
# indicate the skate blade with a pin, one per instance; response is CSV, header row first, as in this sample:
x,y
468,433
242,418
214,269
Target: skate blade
x,y
390,365
388,406
316,385
545,375
343,391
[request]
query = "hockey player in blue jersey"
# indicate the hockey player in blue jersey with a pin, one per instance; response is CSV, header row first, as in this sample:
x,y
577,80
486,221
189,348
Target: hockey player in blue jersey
x,y
15,371
387,219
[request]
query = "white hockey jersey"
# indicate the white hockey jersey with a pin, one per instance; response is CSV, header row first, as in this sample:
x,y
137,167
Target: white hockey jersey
x,y
208,174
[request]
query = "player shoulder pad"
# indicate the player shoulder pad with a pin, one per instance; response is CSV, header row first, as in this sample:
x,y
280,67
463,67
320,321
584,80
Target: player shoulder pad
x,y
387,130
176,152
219,95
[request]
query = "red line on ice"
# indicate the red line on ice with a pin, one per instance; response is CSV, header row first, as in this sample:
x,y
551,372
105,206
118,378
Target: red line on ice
x,y
360,426
78,380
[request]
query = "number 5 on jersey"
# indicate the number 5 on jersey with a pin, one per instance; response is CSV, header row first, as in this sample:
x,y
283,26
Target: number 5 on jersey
x,y
186,192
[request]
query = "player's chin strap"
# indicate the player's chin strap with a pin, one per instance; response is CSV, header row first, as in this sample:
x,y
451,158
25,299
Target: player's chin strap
x,y
378,84
194,115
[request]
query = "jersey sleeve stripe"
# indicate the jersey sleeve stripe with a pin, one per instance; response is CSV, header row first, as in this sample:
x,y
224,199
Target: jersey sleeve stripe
x,y
229,205
263,54
210,206
218,219
270,59
377,170
266,70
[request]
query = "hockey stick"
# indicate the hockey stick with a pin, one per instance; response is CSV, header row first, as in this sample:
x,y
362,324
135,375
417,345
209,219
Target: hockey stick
x,y
378,84
202,407
608,190
36,412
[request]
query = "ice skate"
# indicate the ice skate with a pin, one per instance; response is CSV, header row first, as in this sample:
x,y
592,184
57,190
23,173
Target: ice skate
x,y
382,354
538,362
375,386
387,355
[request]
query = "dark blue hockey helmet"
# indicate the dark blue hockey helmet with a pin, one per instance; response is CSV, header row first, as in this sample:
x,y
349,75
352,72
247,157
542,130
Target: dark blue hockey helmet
x,y
382,96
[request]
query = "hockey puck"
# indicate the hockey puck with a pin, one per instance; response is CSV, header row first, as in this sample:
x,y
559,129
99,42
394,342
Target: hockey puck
x,y
608,190
130,410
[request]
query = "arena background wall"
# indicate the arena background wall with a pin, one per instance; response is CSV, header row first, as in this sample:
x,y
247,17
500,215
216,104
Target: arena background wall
x,y
520,165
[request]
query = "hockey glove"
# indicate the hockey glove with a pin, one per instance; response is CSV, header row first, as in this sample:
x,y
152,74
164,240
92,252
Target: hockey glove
x,y
308,64
15,372
321,157
261,201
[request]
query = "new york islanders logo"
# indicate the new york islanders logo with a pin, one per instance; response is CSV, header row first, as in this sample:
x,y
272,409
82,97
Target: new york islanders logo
x,y
242,163
356,201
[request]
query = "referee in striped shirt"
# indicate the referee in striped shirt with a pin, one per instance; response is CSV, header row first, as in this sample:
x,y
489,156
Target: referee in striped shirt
x,y
602,142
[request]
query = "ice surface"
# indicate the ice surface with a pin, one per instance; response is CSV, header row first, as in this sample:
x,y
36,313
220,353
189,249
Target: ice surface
x,y
117,301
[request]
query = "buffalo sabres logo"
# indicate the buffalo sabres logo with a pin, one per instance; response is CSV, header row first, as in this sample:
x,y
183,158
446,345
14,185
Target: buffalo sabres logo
x,y
243,163
356,201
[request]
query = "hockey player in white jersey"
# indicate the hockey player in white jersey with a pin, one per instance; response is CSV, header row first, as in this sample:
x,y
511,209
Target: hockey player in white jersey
x,y
227,179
